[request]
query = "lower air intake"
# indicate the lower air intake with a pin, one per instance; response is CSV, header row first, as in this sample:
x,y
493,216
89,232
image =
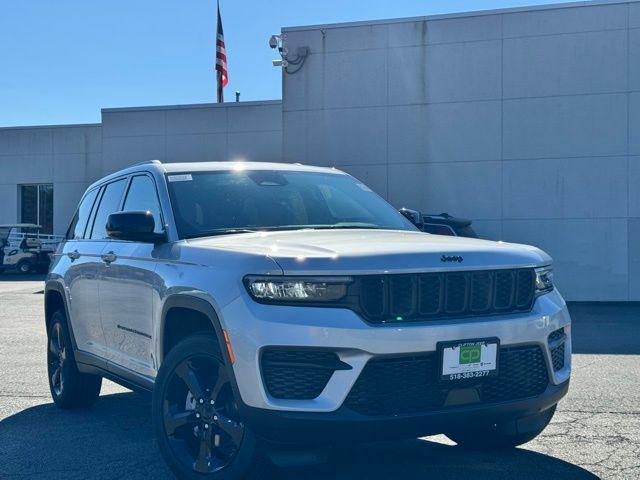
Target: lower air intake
x,y
298,374
397,385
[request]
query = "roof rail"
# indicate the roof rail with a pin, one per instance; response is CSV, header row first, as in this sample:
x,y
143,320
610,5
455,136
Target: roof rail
x,y
157,162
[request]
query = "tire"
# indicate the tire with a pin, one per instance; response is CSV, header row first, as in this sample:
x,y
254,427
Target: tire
x,y
195,415
24,267
503,436
69,387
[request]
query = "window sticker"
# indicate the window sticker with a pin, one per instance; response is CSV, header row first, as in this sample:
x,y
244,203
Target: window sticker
x,y
186,177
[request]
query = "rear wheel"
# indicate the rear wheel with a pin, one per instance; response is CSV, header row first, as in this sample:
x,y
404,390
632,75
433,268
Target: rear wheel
x,y
503,436
24,266
195,414
69,387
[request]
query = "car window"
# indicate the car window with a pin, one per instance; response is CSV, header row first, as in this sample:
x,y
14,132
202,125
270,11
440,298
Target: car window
x,y
341,205
79,223
92,215
142,196
109,203
218,201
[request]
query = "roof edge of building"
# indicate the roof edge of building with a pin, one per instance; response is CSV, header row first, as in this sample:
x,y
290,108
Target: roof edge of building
x,y
61,125
193,105
474,13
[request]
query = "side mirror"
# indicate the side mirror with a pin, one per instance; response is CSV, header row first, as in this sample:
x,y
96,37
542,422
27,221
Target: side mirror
x,y
133,226
413,216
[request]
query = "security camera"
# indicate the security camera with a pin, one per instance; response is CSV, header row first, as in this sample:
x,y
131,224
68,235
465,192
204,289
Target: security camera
x,y
274,41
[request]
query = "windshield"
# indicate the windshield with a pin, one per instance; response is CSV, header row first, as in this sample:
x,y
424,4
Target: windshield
x,y
222,202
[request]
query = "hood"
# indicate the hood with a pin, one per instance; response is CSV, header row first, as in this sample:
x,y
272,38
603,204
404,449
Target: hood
x,y
328,252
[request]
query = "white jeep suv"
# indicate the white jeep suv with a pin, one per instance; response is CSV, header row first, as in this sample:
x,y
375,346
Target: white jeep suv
x,y
275,303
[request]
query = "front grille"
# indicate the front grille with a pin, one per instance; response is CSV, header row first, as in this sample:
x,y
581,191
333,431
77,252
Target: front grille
x,y
557,340
411,384
425,296
298,374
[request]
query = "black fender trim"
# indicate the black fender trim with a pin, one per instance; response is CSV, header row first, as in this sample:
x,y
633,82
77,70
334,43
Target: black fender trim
x,y
202,306
54,286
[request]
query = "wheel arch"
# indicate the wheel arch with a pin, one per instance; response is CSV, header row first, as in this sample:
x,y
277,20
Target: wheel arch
x,y
54,300
194,304
203,307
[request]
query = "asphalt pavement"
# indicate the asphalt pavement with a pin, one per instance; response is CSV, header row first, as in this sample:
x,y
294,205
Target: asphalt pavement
x,y
594,434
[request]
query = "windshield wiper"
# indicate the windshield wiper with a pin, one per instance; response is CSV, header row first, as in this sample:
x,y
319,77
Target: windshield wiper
x,y
220,231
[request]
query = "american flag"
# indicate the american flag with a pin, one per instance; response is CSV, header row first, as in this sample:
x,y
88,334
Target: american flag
x,y
221,59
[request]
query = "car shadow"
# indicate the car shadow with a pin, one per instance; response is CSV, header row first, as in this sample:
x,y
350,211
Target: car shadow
x,y
114,440
605,327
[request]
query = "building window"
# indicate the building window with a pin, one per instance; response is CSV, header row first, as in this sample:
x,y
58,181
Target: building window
x,y
36,206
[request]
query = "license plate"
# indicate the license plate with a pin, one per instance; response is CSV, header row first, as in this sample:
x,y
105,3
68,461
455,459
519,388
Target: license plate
x,y
468,359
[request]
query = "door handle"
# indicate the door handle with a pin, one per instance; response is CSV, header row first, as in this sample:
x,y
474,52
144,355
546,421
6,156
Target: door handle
x,y
109,257
74,255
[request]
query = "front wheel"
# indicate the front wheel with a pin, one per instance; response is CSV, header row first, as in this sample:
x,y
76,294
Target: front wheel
x,y
195,414
503,436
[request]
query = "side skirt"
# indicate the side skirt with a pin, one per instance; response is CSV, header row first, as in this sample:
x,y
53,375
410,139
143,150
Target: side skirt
x,y
89,363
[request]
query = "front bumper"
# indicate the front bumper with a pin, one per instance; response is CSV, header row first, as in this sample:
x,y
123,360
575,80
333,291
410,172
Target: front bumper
x,y
253,327
345,425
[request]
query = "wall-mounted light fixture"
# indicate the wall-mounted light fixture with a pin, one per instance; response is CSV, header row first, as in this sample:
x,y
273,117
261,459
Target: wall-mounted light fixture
x,y
285,61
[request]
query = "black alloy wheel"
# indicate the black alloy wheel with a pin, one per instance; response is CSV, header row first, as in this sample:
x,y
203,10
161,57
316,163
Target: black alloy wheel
x,y
69,387
200,415
56,357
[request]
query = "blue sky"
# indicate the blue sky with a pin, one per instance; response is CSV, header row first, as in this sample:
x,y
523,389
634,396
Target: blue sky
x,y
61,61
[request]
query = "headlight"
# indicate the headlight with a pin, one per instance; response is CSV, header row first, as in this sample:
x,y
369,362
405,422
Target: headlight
x,y
297,289
544,280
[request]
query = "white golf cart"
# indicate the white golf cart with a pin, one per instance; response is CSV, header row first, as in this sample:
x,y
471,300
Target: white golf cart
x,y
25,249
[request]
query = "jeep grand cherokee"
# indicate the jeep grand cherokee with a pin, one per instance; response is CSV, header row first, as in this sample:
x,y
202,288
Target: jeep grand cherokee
x,y
284,303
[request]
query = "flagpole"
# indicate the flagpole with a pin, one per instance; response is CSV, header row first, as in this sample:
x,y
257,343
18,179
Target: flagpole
x,y
219,94
221,57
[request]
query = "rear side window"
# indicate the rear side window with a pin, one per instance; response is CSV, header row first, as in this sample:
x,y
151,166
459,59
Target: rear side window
x,y
142,197
109,204
77,227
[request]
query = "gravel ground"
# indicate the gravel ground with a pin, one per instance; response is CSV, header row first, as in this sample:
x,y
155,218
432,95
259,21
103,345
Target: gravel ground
x,y
595,433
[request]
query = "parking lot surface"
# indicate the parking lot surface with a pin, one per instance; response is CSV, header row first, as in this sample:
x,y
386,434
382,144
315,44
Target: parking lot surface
x,y
595,433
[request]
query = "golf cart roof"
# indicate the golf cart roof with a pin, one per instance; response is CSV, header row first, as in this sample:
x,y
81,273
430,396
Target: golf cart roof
x,y
20,225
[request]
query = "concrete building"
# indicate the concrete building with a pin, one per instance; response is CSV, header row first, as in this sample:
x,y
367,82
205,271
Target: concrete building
x,y
526,120
68,158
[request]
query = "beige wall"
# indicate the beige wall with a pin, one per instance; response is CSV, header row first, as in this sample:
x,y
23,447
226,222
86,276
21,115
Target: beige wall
x,y
73,156
525,120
